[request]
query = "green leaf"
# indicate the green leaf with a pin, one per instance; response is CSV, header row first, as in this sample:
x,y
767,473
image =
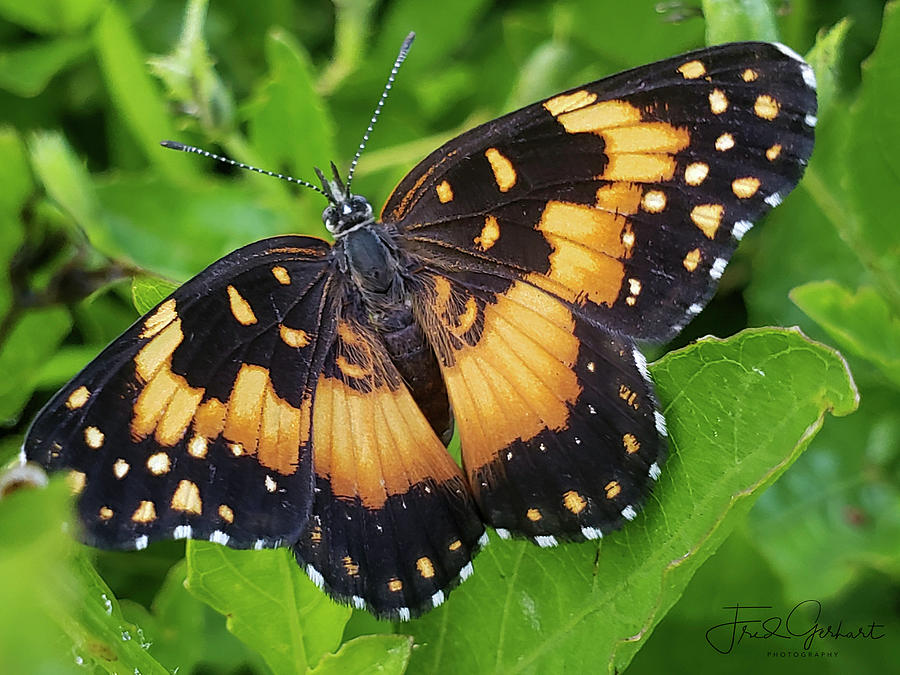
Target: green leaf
x,y
99,630
33,553
175,231
185,634
30,342
191,79
369,654
63,365
863,323
634,33
17,183
134,93
874,134
270,603
733,20
439,28
51,16
64,177
739,573
58,612
289,122
26,71
825,59
740,411
351,25
147,292
838,510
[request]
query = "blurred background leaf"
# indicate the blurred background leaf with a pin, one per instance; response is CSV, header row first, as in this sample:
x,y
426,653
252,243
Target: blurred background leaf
x,y
90,201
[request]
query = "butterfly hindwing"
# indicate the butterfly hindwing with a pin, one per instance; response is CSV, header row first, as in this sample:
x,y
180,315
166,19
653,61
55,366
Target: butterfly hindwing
x,y
625,197
393,525
182,427
558,425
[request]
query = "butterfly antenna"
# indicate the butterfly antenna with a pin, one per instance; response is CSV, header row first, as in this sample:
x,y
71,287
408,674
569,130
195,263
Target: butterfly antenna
x,y
175,145
401,57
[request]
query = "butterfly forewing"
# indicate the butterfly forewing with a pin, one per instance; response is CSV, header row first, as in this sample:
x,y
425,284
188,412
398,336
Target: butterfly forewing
x,y
625,197
196,422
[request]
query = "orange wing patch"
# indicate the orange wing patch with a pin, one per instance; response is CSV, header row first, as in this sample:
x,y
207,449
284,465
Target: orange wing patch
x,y
254,416
588,247
370,440
517,379
637,150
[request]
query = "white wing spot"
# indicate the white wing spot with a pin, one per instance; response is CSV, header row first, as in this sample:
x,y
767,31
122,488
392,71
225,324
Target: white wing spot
x,y
503,533
141,543
437,599
545,541
660,423
358,602
773,199
809,76
403,613
314,575
695,308
718,268
591,533
466,571
484,540
219,537
810,120
654,471
741,228
182,532
628,513
641,362
259,544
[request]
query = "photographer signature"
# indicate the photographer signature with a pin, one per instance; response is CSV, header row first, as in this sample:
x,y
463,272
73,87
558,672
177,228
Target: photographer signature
x,y
725,636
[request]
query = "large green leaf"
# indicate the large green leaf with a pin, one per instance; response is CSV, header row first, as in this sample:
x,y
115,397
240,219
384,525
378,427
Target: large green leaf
x,y
368,655
185,634
270,603
740,411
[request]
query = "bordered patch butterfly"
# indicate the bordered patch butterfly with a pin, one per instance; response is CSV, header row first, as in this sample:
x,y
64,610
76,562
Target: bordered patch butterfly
x,y
300,393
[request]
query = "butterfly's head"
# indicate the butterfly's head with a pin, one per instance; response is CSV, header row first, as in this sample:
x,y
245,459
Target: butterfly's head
x,y
345,211
343,216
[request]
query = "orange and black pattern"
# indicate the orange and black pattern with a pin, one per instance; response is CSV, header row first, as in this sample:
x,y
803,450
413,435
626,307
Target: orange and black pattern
x,y
300,393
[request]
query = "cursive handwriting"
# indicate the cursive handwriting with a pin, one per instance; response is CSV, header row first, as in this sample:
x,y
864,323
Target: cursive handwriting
x,y
724,637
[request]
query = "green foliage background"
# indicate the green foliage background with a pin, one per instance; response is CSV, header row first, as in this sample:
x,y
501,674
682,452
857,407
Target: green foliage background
x,y
90,201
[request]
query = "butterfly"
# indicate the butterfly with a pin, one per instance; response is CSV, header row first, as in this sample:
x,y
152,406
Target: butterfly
x,y
300,393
